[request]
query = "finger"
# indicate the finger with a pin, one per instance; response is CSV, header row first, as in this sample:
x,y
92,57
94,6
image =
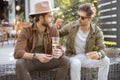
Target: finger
x,y
49,55
50,58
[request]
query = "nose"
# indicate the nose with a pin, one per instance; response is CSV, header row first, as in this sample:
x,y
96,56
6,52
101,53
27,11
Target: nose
x,y
80,19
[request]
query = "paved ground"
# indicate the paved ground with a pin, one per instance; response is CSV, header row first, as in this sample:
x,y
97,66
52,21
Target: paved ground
x,y
6,52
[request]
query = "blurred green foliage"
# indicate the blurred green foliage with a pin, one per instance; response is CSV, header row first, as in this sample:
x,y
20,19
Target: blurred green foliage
x,y
68,9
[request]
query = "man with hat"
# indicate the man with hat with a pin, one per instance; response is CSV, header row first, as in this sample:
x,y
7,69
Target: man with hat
x,y
34,46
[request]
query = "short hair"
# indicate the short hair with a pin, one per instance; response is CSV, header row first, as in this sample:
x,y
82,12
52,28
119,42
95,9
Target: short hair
x,y
89,8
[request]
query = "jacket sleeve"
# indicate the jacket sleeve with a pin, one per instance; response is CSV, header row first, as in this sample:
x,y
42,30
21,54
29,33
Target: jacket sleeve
x,y
100,41
66,28
21,44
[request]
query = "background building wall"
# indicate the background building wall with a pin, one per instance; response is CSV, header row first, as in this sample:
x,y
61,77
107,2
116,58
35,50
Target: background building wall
x,y
109,20
11,11
29,7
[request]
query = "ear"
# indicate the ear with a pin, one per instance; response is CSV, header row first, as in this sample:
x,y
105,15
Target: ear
x,y
40,17
91,18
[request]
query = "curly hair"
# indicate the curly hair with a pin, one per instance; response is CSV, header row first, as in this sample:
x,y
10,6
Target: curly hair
x,y
89,8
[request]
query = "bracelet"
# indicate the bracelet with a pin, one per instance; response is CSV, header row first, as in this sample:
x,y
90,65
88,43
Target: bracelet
x,y
34,54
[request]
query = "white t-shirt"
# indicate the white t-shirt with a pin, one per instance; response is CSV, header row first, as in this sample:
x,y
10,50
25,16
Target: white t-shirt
x,y
80,41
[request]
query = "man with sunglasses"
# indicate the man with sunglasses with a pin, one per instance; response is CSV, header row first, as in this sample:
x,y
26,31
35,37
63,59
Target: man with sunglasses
x,y
84,44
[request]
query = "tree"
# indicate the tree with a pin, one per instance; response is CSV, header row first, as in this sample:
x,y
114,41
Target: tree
x,y
68,9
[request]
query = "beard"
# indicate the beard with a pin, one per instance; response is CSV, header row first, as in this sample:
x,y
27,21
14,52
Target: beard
x,y
45,24
83,24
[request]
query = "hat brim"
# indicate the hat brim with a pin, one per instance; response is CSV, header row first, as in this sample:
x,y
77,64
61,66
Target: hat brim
x,y
32,14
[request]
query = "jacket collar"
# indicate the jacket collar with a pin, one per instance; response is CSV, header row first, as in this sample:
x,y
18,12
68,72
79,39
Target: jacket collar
x,y
92,30
92,26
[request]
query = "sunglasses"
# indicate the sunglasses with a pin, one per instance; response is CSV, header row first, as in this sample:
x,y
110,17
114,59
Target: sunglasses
x,y
82,17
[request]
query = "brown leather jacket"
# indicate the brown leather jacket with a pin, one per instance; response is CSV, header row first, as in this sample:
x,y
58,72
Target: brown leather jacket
x,y
28,37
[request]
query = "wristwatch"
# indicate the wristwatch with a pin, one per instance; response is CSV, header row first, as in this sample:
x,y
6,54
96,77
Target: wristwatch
x,y
34,54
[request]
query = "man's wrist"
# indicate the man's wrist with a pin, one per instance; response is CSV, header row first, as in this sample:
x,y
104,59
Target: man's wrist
x,y
99,53
103,55
34,56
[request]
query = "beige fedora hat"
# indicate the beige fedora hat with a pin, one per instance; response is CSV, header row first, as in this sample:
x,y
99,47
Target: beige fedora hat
x,y
42,7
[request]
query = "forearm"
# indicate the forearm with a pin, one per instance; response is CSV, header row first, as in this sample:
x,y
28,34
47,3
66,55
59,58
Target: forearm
x,y
28,56
31,56
102,53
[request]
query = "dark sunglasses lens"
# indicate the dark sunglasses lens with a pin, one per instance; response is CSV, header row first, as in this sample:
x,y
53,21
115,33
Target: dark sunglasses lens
x,y
81,17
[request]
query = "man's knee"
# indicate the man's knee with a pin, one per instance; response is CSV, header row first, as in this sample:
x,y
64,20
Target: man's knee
x,y
65,61
106,61
20,64
75,63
